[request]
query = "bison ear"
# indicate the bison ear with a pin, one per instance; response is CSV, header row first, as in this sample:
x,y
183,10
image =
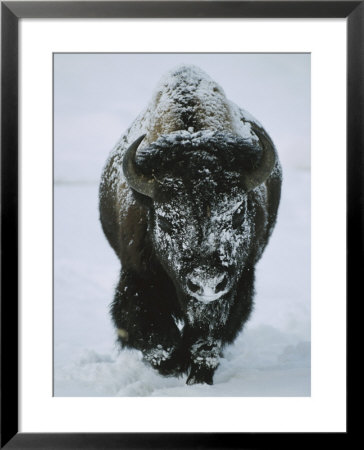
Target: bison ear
x,y
261,172
136,180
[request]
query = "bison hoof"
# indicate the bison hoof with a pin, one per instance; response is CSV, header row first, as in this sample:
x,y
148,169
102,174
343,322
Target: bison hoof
x,y
167,363
201,376
169,368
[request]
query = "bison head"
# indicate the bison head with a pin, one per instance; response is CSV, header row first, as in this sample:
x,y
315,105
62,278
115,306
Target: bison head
x,y
200,222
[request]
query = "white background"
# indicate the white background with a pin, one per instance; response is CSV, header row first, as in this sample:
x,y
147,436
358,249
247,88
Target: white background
x,y
325,410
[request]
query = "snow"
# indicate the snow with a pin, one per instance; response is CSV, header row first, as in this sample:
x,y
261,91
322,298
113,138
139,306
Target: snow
x,y
187,88
159,354
271,357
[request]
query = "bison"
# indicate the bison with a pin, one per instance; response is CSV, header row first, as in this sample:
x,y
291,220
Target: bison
x,y
188,200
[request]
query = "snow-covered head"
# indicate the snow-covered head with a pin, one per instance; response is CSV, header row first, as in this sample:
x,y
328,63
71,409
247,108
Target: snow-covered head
x,y
200,219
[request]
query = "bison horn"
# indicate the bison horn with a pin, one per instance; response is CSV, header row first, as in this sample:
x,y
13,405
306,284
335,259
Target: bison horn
x,y
257,176
139,182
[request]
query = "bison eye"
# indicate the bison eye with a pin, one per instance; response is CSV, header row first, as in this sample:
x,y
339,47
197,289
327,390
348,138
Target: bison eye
x,y
238,218
165,224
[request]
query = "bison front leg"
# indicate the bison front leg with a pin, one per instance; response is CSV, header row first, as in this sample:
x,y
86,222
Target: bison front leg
x,y
205,355
144,317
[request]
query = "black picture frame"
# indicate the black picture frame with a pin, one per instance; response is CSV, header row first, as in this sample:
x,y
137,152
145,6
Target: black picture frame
x,y
11,12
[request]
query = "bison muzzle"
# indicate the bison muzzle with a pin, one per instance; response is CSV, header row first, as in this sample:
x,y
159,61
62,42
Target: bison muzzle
x,y
188,201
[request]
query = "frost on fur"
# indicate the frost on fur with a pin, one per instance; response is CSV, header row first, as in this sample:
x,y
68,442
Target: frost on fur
x,y
188,200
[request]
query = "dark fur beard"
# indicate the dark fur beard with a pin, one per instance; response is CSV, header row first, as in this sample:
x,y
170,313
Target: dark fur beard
x,y
210,317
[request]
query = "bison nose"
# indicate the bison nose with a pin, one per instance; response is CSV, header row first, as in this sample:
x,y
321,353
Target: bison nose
x,y
194,287
222,285
207,289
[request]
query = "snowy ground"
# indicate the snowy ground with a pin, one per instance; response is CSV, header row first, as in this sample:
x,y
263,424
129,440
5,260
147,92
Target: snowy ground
x,y
271,357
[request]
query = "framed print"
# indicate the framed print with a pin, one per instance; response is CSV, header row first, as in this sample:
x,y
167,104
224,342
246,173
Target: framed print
x,y
76,78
